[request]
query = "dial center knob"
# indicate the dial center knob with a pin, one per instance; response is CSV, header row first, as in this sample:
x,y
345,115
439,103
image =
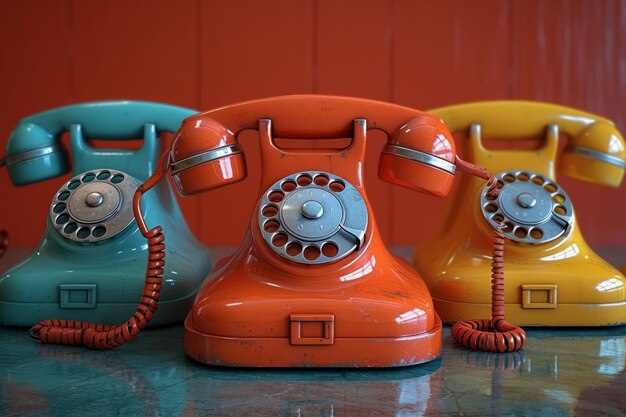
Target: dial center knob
x,y
95,202
312,209
526,200
94,199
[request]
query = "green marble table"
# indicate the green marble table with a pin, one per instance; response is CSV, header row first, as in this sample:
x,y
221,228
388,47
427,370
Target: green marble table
x,y
561,372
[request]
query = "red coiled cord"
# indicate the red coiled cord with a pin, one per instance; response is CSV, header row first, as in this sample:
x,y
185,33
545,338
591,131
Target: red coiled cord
x,y
103,336
495,335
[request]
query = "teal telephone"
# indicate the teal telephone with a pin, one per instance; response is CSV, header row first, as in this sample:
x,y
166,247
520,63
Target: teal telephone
x,y
87,264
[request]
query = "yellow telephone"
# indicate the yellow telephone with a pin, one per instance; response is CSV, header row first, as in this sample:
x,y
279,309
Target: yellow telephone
x,y
553,278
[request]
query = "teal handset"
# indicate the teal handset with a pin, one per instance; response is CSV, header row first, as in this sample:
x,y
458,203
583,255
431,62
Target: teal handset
x,y
87,264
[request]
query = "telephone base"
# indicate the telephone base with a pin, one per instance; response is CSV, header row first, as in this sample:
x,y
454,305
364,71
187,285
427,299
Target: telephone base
x,y
560,283
27,314
103,282
575,315
278,352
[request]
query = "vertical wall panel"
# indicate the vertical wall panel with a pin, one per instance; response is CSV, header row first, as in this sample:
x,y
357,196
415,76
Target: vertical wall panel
x,y
352,48
254,49
573,53
208,53
450,51
444,53
353,58
142,50
249,50
35,74
145,49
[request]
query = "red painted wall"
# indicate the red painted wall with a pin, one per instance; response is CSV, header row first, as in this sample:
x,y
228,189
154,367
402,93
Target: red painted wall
x,y
204,54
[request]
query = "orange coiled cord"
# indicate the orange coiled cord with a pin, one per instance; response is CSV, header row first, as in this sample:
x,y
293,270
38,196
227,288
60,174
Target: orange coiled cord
x,y
103,336
495,335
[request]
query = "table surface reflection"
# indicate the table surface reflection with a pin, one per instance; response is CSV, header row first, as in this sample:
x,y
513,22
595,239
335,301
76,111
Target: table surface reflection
x,y
561,372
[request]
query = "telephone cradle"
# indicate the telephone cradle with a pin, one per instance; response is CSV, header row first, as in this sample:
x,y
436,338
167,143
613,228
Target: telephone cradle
x,y
553,277
87,263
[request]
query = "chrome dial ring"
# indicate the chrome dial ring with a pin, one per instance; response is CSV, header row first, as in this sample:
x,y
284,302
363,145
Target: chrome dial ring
x,y
313,217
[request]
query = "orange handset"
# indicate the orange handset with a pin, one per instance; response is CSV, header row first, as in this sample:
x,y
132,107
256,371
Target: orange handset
x,y
313,283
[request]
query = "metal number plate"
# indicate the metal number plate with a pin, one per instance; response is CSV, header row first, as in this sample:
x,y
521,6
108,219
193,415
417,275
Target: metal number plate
x,y
94,206
530,208
313,217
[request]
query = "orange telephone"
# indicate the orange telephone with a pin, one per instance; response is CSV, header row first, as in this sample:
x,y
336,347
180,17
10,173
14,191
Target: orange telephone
x,y
312,284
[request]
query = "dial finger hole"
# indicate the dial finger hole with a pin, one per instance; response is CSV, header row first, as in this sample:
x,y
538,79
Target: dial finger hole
x,y
117,178
62,219
90,176
523,176
70,228
73,184
536,233
271,226
312,253
498,218
279,240
538,180
321,180
521,232
83,232
63,195
276,196
560,210
103,175
500,184
270,210
330,249
558,198
507,227
508,178
491,208
304,180
98,231
288,186
549,187
59,208
293,248
337,186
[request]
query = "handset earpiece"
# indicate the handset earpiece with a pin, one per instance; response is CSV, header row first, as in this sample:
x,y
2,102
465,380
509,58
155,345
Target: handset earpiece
x,y
205,155
596,154
420,155
34,154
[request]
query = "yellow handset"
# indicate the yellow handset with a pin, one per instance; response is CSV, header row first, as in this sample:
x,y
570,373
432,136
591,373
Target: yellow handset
x,y
595,150
552,277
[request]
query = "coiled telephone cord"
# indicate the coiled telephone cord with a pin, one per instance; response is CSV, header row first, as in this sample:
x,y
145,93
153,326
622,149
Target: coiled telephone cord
x,y
103,336
495,335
